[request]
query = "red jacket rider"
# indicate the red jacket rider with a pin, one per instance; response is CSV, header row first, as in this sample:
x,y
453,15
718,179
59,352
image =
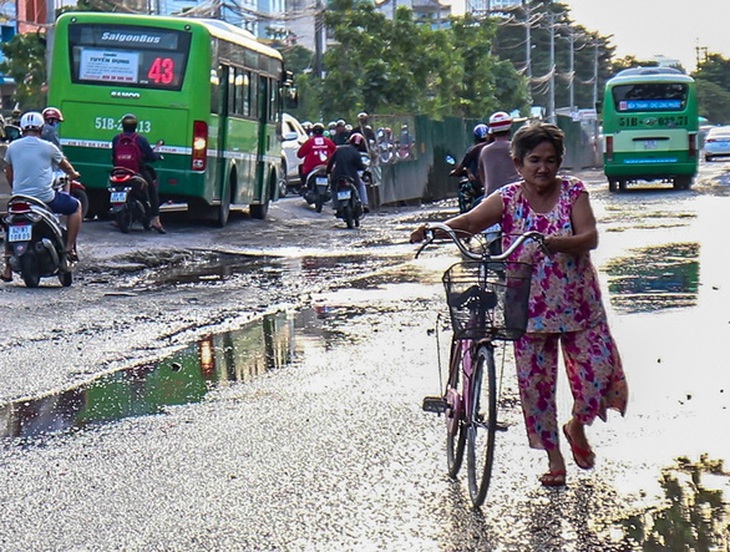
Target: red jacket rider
x,y
316,151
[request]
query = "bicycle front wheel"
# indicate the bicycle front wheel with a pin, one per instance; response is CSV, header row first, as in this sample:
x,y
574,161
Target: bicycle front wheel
x,y
455,429
481,424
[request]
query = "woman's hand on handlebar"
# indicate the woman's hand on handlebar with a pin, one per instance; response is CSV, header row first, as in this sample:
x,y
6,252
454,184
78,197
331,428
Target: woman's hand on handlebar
x,y
419,234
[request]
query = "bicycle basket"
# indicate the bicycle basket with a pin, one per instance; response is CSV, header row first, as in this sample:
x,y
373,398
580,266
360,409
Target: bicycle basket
x,y
488,299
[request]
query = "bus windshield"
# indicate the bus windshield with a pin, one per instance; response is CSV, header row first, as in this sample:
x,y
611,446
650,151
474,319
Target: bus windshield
x,y
141,57
650,96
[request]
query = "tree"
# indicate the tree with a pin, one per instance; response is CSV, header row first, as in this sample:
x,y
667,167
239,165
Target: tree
x,y
389,66
713,101
546,19
25,63
715,69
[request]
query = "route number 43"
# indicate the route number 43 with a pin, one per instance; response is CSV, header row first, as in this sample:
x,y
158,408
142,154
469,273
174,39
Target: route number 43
x,y
162,71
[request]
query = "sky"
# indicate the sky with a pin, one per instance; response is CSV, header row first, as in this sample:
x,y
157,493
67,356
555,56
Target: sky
x,y
672,28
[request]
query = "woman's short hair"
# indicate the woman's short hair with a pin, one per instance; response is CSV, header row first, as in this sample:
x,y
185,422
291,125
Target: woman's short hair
x,y
531,135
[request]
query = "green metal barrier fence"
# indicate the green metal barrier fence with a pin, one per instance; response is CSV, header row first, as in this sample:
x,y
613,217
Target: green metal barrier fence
x,y
423,174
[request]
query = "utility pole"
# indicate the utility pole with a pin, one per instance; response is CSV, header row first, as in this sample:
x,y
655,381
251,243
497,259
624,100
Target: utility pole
x,y
595,71
528,47
551,93
571,71
318,38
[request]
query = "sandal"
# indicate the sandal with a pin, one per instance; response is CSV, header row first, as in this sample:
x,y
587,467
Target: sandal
x,y
159,229
583,458
553,479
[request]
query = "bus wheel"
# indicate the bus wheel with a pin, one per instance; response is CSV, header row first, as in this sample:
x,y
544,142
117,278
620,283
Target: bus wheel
x,y
682,182
259,210
612,184
223,210
98,204
622,185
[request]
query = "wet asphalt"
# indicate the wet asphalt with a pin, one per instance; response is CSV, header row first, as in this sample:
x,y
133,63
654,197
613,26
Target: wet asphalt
x,y
150,407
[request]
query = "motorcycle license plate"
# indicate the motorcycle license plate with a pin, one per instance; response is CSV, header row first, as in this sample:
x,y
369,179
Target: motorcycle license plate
x,y
118,197
321,180
20,233
343,194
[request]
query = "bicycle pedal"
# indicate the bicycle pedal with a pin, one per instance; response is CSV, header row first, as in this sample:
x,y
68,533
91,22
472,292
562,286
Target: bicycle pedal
x,y
434,404
501,426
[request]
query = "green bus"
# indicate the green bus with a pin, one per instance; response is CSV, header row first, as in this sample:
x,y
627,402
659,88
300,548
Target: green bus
x,y
209,90
650,127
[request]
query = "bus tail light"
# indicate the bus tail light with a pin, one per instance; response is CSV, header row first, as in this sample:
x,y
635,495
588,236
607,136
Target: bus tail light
x,y
199,158
692,146
609,148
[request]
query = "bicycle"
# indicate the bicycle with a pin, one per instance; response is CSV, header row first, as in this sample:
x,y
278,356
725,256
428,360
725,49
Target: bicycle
x,y
487,296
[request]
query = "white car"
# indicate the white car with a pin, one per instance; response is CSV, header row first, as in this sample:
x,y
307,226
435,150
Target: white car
x,y
293,136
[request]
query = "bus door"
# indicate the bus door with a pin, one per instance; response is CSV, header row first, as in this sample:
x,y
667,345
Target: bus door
x,y
263,135
227,99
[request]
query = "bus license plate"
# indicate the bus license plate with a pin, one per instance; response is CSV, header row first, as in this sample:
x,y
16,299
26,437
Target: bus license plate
x,y
344,194
20,233
649,144
118,197
321,180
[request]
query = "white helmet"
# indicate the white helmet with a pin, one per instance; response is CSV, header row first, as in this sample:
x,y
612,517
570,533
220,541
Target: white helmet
x,y
31,121
500,122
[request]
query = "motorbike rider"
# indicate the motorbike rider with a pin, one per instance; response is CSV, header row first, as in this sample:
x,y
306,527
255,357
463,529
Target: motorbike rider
x,y
340,137
148,155
346,162
316,151
496,167
29,164
52,117
469,166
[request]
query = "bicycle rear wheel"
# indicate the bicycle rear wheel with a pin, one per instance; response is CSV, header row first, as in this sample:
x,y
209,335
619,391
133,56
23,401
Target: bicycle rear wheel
x,y
481,424
455,429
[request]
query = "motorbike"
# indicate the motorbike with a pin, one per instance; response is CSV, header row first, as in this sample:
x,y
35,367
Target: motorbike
x,y
128,199
73,187
316,188
37,242
347,201
469,195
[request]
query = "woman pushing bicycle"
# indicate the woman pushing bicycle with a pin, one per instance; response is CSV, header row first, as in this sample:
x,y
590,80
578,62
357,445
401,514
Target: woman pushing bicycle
x,y
565,305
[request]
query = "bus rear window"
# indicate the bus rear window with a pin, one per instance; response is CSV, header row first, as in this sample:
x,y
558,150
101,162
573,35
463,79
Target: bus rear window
x,y
143,57
650,96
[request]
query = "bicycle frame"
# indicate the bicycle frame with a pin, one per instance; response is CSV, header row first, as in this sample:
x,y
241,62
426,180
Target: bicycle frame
x,y
471,425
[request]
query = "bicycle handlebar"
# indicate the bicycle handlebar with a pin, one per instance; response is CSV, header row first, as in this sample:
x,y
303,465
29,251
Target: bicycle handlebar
x,y
431,227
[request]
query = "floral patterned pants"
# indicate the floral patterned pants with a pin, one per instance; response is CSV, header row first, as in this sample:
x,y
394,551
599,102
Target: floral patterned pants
x,y
595,374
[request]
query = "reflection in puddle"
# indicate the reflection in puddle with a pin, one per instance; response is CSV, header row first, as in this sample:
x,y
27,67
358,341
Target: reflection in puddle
x,y
184,377
696,516
655,278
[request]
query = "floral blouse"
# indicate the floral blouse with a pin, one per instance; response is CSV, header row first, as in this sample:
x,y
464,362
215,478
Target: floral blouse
x,y
565,294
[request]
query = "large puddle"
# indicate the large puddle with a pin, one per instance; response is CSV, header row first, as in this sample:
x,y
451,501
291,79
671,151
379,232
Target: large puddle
x,y
695,514
186,376
655,278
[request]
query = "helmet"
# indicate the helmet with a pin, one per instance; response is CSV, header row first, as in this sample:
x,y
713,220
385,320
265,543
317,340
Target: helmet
x,y
331,124
341,122
481,131
500,122
317,128
31,121
129,121
52,113
306,124
356,139
362,115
